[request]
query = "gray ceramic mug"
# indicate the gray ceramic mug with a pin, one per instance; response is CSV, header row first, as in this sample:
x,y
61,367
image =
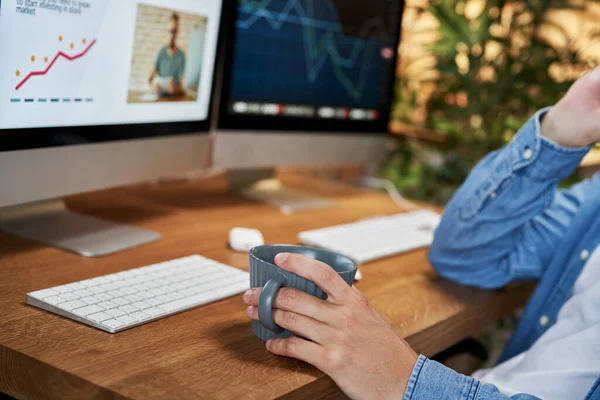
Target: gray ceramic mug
x,y
264,272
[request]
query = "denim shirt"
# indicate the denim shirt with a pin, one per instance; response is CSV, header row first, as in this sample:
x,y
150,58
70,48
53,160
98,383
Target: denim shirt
x,y
508,222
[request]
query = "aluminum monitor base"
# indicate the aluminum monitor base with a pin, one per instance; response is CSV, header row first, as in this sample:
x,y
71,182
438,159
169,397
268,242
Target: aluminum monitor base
x,y
259,185
51,223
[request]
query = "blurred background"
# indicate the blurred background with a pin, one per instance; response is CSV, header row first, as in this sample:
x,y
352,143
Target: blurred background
x,y
470,73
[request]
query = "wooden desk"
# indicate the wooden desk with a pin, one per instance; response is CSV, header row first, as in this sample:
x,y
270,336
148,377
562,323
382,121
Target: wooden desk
x,y
209,352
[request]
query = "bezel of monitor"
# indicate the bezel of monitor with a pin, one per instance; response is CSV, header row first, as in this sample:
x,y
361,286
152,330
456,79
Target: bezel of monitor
x,y
35,138
282,124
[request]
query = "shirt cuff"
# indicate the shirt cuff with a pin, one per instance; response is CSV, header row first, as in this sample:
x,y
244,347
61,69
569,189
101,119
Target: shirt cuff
x,y
528,155
432,380
539,157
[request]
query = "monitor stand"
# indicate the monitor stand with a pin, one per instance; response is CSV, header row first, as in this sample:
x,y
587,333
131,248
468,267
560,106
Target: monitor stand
x,y
51,223
259,185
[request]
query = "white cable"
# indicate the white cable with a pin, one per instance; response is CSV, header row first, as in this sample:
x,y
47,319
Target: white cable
x,y
390,188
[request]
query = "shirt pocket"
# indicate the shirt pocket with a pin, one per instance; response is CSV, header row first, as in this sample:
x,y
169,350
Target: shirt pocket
x,y
489,191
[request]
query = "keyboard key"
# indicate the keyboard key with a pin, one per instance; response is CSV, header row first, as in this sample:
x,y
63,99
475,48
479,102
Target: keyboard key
x,y
69,296
88,283
95,289
144,295
133,298
115,312
187,292
113,323
120,284
76,286
123,275
186,302
108,287
140,315
126,319
90,300
160,291
128,309
116,293
63,289
164,298
130,282
242,286
107,305
142,286
176,295
40,294
88,310
140,305
155,292
54,300
141,281
71,305
103,296
99,280
153,302
153,311
120,301
179,286
129,290
99,317
83,293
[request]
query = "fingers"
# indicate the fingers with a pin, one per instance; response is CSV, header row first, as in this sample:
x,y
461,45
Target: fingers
x,y
301,349
320,273
299,324
294,300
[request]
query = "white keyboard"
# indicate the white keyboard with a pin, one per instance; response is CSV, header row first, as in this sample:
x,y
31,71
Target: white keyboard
x,y
126,299
376,238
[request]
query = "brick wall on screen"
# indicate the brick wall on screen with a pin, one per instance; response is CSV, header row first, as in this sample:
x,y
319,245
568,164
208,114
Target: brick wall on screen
x,y
152,33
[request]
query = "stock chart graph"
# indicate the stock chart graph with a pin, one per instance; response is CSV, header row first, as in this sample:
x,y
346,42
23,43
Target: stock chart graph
x,y
311,52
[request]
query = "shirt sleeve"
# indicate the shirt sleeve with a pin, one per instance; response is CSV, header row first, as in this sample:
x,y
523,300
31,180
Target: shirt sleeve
x,y
433,381
507,218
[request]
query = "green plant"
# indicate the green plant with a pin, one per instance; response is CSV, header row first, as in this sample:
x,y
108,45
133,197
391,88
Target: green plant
x,y
497,62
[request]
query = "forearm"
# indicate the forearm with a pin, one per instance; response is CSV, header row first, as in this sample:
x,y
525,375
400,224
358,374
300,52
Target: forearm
x,y
504,221
433,381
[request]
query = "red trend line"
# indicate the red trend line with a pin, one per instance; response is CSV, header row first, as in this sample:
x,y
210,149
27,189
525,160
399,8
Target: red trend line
x,y
56,57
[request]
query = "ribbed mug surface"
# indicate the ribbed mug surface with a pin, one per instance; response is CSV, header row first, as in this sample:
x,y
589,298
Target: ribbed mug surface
x,y
262,268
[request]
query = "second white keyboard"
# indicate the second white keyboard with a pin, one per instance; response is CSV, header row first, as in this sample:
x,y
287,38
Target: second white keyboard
x,y
376,238
130,298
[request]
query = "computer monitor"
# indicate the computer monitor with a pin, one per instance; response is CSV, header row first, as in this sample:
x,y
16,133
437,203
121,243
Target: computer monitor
x,y
94,94
307,82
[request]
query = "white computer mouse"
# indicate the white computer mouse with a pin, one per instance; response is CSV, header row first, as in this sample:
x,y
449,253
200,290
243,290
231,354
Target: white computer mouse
x,y
243,239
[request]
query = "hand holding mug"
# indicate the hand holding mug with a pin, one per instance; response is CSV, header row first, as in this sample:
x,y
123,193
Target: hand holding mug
x,y
342,335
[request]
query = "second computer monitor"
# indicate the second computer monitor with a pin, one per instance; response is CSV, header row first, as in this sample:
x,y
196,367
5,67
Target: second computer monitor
x,y
307,82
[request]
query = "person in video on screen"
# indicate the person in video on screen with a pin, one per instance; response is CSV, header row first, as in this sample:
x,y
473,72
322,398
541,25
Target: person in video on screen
x,y
508,222
167,73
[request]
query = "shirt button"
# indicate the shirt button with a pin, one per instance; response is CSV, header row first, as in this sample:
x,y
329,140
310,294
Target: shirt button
x,y
528,153
493,195
544,320
584,254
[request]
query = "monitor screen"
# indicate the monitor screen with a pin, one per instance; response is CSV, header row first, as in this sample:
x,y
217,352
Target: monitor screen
x,y
99,63
311,64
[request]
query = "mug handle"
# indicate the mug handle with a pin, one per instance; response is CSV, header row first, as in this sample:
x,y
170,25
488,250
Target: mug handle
x,y
265,303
